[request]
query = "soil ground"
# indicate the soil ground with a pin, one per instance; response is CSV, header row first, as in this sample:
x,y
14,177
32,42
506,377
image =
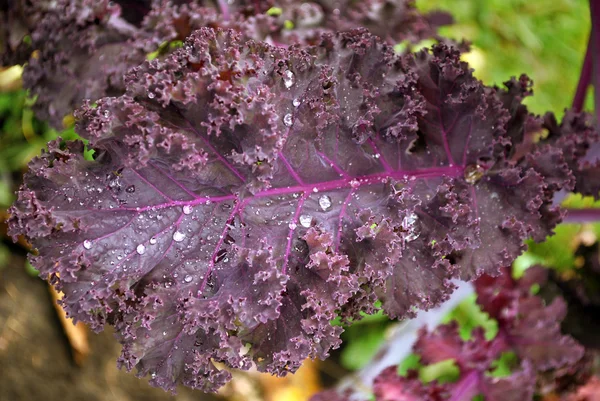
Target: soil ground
x,y
35,356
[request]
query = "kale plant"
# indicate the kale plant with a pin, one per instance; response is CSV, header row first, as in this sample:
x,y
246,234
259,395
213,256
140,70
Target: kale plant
x,y
262,168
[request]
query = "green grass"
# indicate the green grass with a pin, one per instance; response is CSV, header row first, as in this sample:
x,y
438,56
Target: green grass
x,y
544,39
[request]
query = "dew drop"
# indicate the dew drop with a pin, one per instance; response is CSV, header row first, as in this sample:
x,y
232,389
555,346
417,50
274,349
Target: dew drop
x,y
288,120
292,226
409,226
325,202
141,249
288,79
130,189
152,241
473,173
187,209
229,239
187,279
305,220
315,189
151,95
220,255
178,236
87,244
296,102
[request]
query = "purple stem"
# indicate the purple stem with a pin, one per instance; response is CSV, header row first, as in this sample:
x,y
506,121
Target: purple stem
x,y
595,50
224,7
466,388
582,216
343,183
585,79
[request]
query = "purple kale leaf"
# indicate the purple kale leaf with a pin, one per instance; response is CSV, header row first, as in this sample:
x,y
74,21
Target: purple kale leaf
x,y
77,49
81,49
526,326
244,195
580,143
304,22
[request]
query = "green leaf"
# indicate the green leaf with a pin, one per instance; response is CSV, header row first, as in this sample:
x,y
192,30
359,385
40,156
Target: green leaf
x,y
32,271
444,372
504,365
468,315
411,362
361,344
274,11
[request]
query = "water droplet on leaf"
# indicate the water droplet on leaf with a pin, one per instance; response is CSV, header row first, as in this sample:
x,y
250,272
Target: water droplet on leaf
x,y
178,236
141,249
305,220
288,120
410,227
228,239
87,244
288,79
187,209
152,241
130,189
473,173
325,202
296,102
220,255
187,278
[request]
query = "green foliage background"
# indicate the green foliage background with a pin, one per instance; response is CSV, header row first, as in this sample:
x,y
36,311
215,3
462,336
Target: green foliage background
x,y
544,39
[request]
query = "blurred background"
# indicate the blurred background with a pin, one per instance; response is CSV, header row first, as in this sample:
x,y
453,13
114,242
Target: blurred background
x,y
43,356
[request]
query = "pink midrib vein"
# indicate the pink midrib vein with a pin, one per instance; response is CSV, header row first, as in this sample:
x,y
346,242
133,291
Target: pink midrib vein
x,y
342,183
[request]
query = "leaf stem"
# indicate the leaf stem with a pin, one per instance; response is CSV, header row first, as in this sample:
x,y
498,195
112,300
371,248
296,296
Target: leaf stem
x,y
224,8
584,79
595,50
578,216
